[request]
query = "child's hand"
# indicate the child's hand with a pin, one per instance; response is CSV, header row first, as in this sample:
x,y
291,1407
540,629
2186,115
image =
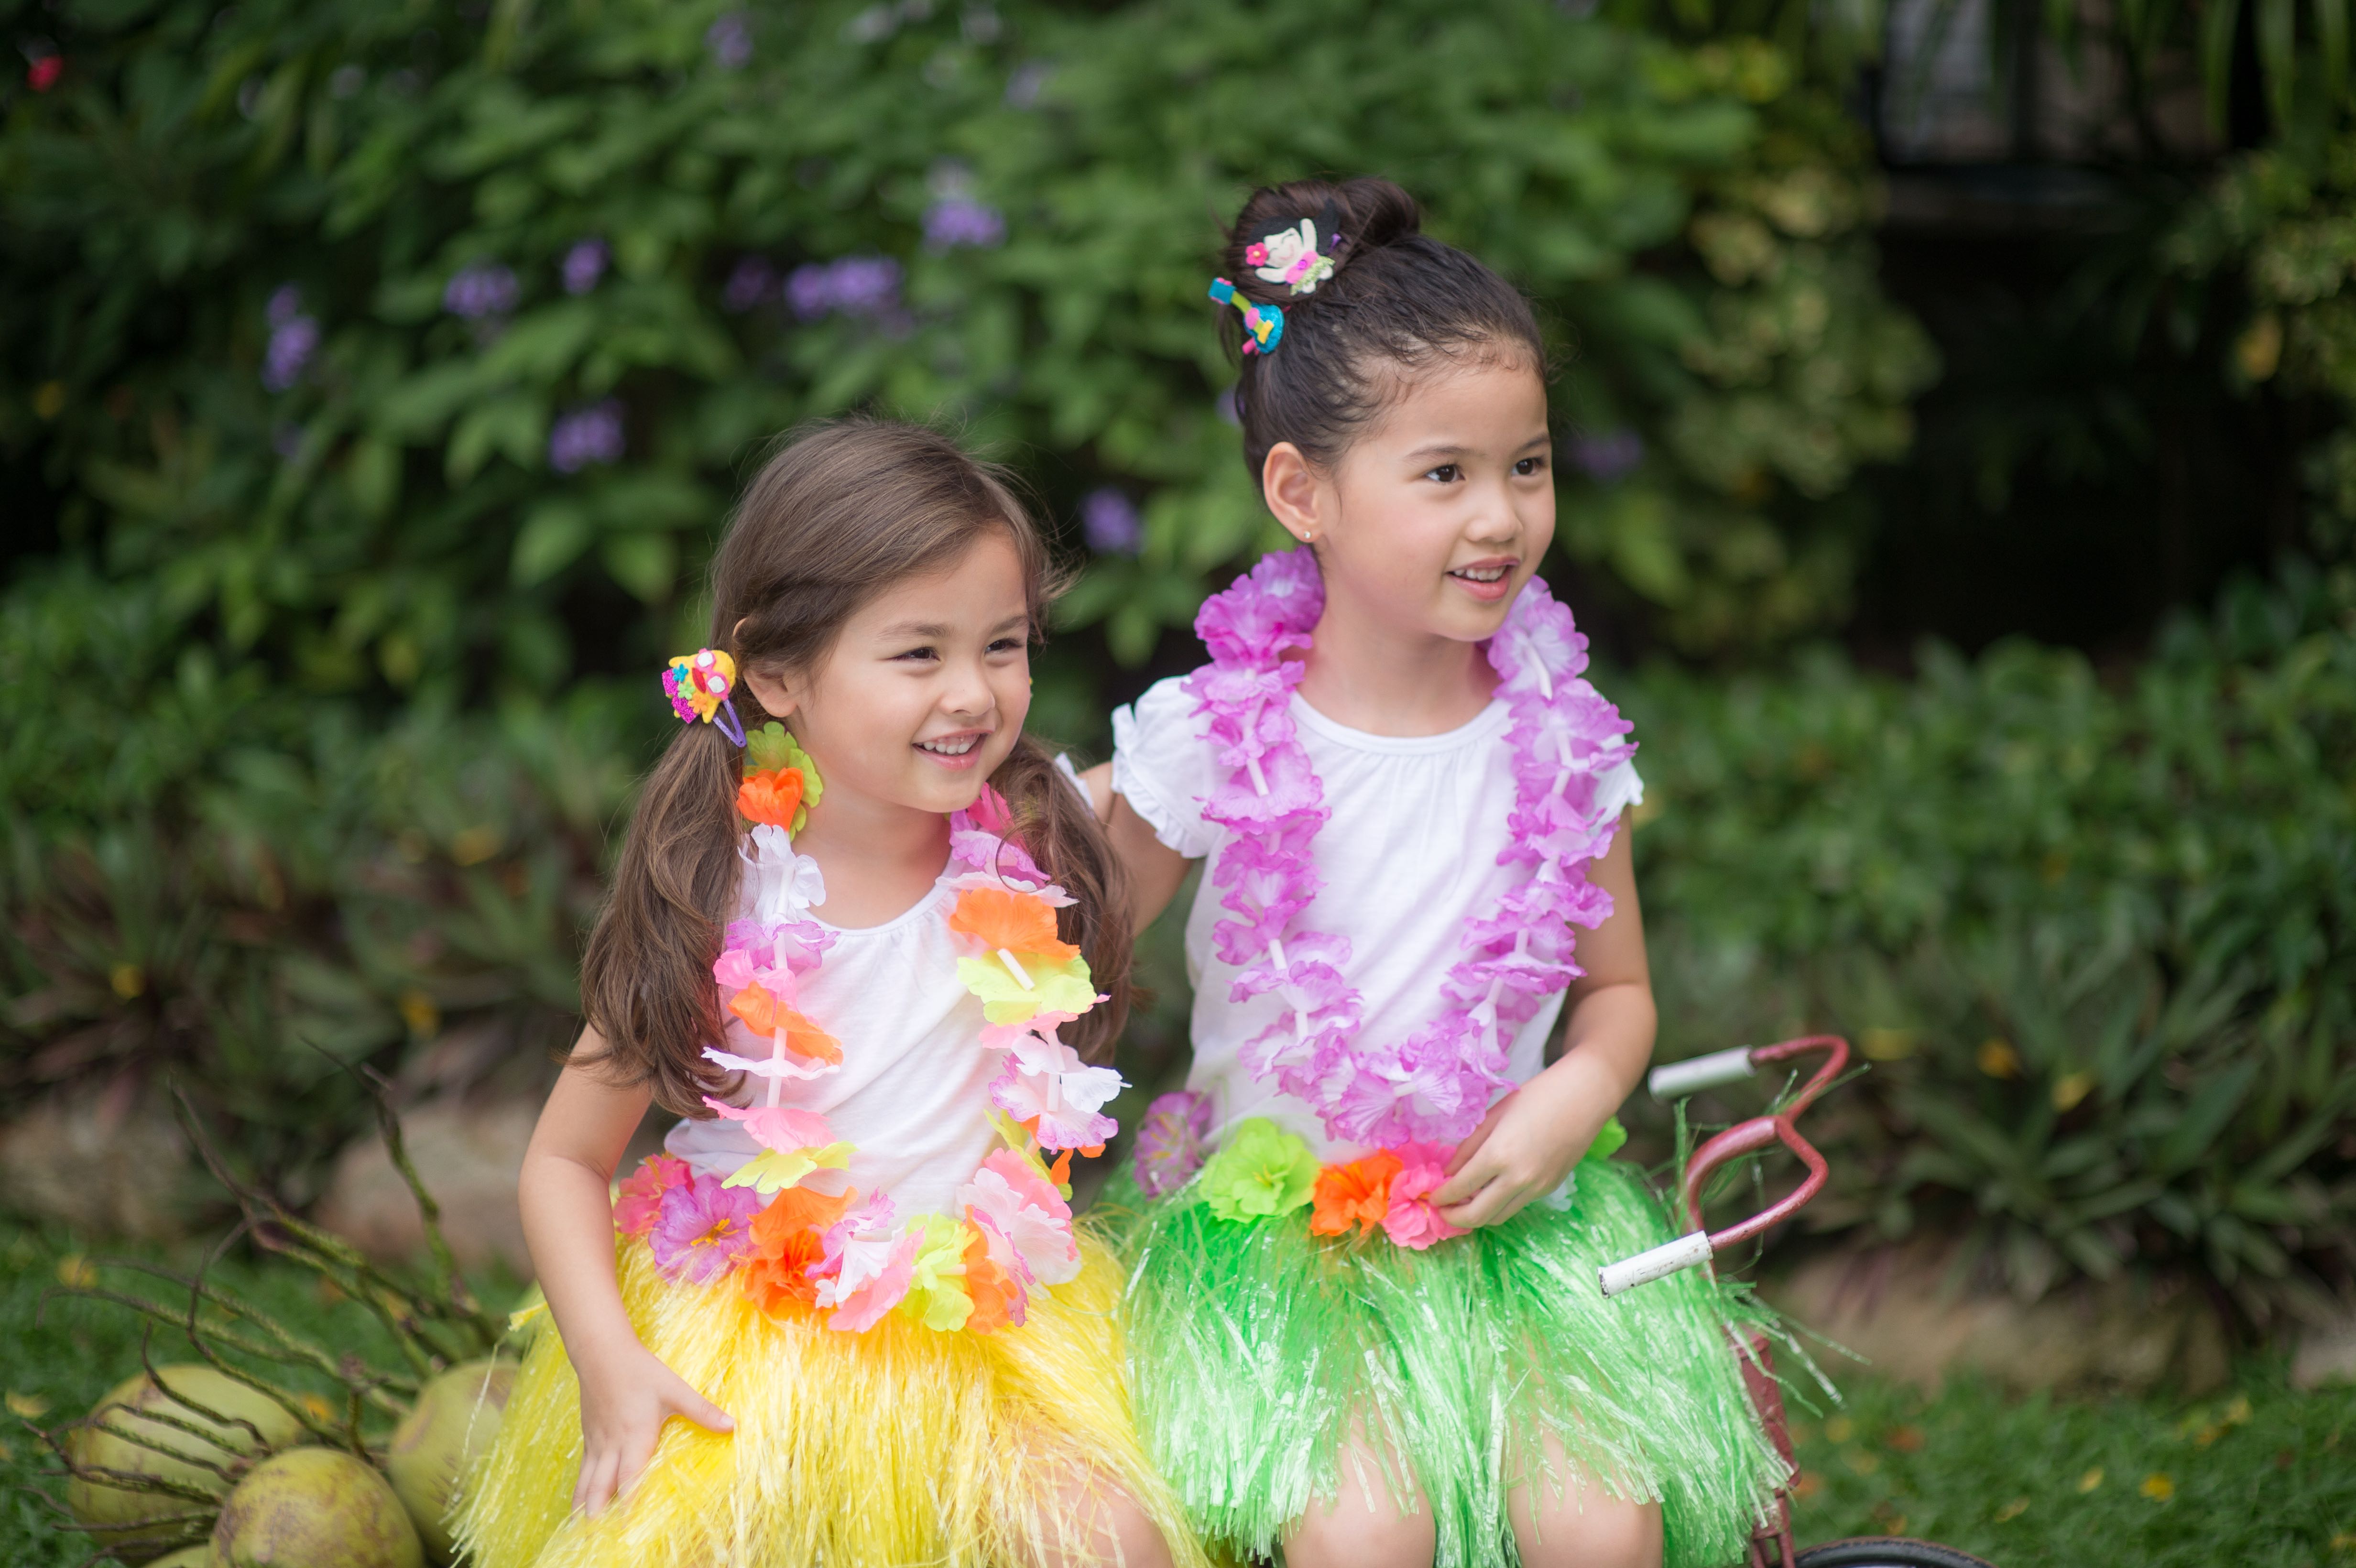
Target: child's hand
x,y
1524,1147
626,1397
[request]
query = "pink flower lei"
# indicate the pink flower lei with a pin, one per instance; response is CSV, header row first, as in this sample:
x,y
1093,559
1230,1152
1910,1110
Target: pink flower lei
x,y
1436,1084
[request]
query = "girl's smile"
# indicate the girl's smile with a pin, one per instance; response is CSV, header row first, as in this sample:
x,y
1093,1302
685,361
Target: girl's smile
x,y
957,750
1488,579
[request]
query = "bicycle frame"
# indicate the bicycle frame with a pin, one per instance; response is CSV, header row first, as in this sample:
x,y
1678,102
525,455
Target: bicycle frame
x,y
1771,1542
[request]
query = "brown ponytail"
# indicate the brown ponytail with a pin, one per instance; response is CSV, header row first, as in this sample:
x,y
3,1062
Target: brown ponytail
x,y
840,512
1059,828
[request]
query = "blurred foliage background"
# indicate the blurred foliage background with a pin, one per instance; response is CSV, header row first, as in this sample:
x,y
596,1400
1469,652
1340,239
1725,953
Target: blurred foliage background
x,y
1957,472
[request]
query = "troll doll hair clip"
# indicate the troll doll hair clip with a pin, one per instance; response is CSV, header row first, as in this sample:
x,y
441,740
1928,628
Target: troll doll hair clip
x,y
697,685
1263,323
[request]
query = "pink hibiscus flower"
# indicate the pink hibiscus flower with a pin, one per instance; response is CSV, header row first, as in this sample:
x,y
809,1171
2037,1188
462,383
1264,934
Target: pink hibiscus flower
x,y
640,1200
704,1230
1411,1221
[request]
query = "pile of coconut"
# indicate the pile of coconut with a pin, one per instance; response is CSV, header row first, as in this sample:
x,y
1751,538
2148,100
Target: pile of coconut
x,y
230,1461
192,1445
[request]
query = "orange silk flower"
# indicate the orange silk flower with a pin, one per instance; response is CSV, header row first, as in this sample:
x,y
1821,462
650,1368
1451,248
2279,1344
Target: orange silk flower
x,y
761,1013
788,1236
771,797
1358,1193
995,1295
1019,922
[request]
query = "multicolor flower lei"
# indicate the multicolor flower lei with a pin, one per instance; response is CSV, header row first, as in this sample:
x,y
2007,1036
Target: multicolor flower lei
x,y
1431,1089
792,1246
1262,1171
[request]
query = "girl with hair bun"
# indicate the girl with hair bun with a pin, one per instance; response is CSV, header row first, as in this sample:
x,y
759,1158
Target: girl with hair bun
x,y
869,940
1364,1323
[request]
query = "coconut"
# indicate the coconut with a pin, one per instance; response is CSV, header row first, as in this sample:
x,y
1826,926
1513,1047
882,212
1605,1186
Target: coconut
x,y
117,1515
315,1508
449,1428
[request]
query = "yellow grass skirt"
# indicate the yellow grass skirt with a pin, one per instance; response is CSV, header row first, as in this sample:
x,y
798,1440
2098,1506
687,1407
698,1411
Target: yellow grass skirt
x,y
900,1445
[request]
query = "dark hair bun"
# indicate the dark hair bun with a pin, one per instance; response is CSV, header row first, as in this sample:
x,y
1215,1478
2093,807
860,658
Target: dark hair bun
x,y
1396,297
1358,216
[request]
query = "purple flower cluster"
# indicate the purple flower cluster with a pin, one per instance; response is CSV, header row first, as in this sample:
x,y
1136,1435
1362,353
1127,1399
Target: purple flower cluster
x,y
960,221
729,41
1170,1141
1110,521
753,282
866,286
294,338
587,435
481,290
1028,81
585,264
703,1229
1608,457
1436,1084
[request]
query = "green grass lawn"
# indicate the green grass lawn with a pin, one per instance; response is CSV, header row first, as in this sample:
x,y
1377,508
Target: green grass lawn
x,y
2257,1478
2260,1476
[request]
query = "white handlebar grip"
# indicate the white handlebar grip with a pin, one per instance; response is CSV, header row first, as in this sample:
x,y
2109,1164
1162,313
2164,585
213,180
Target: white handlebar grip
x,y
1659,1263
1691,1076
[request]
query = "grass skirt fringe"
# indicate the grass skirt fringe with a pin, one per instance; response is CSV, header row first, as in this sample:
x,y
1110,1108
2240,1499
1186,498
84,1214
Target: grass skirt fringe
x,y
899,1445
1254,1347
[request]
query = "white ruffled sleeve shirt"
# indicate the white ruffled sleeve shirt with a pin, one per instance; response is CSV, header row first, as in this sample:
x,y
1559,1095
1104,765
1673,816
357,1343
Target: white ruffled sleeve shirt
x,y
1408,854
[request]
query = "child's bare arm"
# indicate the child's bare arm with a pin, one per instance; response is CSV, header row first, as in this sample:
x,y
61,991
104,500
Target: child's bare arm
x,y
1533,1138
1154,869
568,1220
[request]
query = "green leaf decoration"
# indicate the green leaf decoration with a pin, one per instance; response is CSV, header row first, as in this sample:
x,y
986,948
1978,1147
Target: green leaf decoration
x,y
772,747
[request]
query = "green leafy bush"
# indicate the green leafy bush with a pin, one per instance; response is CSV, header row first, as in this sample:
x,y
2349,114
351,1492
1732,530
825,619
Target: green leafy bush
x,y
413,343
254,892
388,368
2097,940
2278,229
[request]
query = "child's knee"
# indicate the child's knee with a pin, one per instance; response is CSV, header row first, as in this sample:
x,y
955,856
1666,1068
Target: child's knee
x,y
1097,1524
1363,1527
1586,1525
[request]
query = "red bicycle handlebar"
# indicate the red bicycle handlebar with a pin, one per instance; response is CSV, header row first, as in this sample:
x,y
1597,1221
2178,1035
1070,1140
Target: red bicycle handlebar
x,y
1742,1139
1749,1137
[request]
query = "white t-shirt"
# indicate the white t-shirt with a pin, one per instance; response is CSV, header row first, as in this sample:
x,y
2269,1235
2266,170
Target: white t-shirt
x,y
913,1092
1409,852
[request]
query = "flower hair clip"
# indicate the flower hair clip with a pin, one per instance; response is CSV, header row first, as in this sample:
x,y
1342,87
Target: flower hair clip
x,y
1263,323
697,685
1289,256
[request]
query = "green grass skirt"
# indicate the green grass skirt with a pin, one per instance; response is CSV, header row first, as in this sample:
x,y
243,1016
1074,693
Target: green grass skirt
x,y
1254,1348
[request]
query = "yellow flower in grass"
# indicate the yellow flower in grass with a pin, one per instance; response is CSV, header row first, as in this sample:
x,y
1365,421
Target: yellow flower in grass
x,y
1261,1172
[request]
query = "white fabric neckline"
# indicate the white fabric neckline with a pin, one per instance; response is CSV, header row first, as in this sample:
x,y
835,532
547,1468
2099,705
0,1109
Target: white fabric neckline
x,y
1490,721
913,912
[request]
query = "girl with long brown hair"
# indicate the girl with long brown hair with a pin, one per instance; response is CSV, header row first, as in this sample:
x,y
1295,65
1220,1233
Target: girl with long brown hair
x,y
869,943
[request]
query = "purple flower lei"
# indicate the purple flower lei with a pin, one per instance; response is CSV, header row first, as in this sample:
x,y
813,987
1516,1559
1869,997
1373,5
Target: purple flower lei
x,y
1436,1084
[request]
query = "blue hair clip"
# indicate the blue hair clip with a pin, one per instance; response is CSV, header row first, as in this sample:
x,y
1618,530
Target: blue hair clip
x,y
1263,323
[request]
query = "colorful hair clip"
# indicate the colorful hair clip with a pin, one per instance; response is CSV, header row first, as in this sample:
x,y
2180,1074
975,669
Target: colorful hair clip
x,y
697,685
1263,323
1289,256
